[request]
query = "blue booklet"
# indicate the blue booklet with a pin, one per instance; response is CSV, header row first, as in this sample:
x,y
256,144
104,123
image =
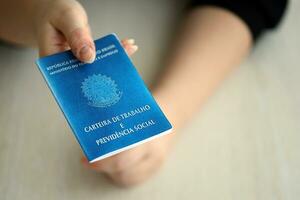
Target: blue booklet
x,y
106,103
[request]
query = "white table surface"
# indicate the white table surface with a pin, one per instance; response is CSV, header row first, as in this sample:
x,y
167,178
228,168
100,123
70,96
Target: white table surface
x,y
244,144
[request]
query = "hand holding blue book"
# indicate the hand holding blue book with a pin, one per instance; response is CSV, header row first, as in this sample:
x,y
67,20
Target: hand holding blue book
x,y
106,103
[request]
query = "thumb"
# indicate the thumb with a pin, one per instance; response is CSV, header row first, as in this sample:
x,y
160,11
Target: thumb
x,y
73,24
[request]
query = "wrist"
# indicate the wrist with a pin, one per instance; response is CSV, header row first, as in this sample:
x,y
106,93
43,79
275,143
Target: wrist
x,y
169,107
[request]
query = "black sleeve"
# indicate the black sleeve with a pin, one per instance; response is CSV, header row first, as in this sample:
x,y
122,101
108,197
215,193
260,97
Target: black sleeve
x,y
259,15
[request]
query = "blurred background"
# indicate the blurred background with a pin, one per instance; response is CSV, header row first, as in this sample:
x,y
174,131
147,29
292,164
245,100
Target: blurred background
x,y
244,144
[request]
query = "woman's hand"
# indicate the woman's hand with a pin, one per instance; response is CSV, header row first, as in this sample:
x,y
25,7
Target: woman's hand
x,y
135,165
62,25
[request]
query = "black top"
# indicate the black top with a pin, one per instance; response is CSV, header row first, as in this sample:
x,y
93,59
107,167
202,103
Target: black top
x,y
259,15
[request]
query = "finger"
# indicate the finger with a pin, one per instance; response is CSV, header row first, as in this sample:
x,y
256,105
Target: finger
x,y
100,166
129,46
50,41
128,41
138,173
119,162
127,159
73,23
116,163
130,49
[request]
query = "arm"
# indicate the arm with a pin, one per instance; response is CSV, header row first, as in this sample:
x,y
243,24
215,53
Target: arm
x,y
16,22
211,44
52,25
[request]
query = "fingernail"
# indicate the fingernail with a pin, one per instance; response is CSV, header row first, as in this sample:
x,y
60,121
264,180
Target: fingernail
x,y
130,41
87,54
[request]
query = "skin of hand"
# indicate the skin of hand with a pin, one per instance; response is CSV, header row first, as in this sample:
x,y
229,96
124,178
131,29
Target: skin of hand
x,y
135,165
64,25
211,44
59,25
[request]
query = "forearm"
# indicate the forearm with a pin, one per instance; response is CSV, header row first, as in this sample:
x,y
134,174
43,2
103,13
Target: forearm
x,y
21,19
52,25
17,21
213,42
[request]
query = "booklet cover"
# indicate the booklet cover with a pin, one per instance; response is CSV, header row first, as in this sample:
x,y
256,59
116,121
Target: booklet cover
x,y
106,103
